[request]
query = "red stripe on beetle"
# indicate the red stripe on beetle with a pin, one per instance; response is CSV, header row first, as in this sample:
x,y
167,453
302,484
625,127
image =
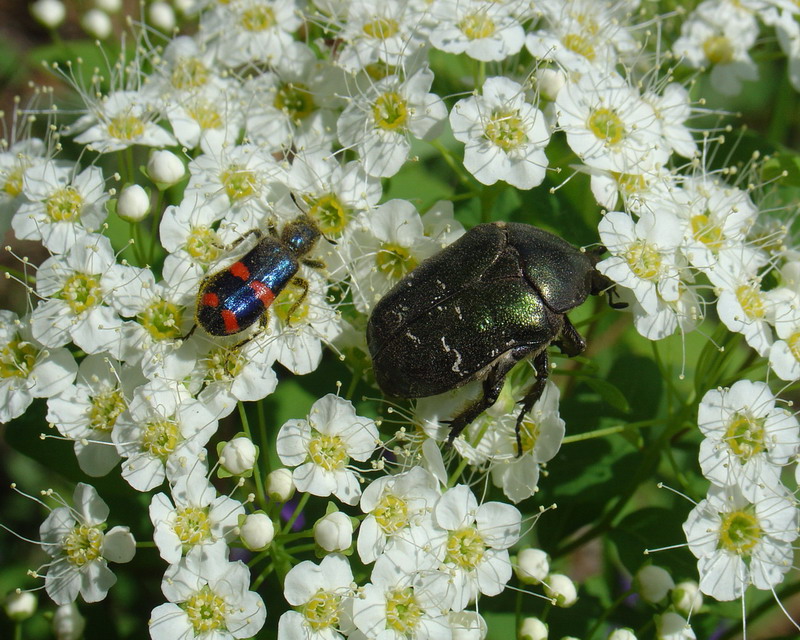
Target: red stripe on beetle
x,y
240,271
231,323
210,300
263,292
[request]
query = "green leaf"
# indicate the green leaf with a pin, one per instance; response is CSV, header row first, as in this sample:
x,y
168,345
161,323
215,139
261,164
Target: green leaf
x,y
609,393
654,528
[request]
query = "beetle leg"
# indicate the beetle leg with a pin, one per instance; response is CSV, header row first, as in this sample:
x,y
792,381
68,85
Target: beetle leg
x,y
314,264
542,365
251,232
302,284
569,340
492,386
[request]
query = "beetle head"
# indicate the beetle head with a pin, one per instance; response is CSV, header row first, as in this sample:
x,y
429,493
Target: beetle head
x,y
603,284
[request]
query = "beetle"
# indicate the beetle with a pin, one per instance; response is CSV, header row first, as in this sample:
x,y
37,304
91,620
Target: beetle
x,y
497,295
233,299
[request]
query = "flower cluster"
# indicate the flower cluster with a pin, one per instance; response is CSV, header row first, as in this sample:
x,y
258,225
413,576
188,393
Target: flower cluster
x,y
246,194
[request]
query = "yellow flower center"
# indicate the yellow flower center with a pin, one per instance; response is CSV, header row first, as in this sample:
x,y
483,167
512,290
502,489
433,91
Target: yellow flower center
x,y
794,345
580,45
749,297
394,261
630,183
606,125
258,18
477,25
126,127
390,111
322,611
291,305
160,438
295,99
328,452
504,128
13,183
204,245
529,432
707,232
205,114
644,260
189,73
239,183
330,214
381,28
83,544
745,436
391,514
81,292
402,610
718,50
106,408
206,611
162,320
739,532
192,525
65,204
223,364
465,548
17,359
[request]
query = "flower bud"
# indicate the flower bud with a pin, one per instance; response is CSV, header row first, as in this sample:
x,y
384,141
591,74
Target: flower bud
x,y
161,16
653,583
687,598
532,566
109,6
257,531
68,623
280,487
48,13
334,532
561,589
621,634
133,204
238,456
550,82
165,167
533,629
20,605
671,626
467,625
97,24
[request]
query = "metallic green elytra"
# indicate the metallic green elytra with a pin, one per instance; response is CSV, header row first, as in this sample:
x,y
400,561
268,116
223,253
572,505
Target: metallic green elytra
x,y
497,295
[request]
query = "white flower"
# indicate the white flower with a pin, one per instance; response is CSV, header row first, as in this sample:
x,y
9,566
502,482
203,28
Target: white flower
x,y
75,539
76,286
187,230
163,431
475,555
784,354
609,125
215,106
14,161
748,439
63,204
394,506
687,598
27,369
120,120
334,532
739,542
20,605
673,108
504,135
208,598
87,412
486,32
378,123
322,445
199,516
671,626
318,592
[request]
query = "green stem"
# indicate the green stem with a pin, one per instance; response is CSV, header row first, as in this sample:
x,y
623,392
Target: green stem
x,y
257,472
454,164
262,576
607,611
297,510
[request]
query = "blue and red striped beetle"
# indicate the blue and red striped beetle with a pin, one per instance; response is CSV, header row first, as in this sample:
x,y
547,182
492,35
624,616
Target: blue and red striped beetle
x,y
235,298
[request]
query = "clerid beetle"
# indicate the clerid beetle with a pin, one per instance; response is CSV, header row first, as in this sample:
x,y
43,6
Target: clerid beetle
x,y
495,296
235,298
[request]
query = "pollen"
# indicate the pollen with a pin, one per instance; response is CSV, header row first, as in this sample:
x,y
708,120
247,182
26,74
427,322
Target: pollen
x,y
606,125
477,26
740,532
258,18
707,232
381,28
390,111
718,50
291,306
192,525
465,548
239,183
504,129
81,292
644,260
204,245
223,364
794,345
189,73
160,438
330,214
322,610
402,610
126,127
328,452
749,297
13,182
394,260
17,359
391,514
206,611
205,114
83,544
162,320
529,431
745,436
106,407
296,100
580,45
64,205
